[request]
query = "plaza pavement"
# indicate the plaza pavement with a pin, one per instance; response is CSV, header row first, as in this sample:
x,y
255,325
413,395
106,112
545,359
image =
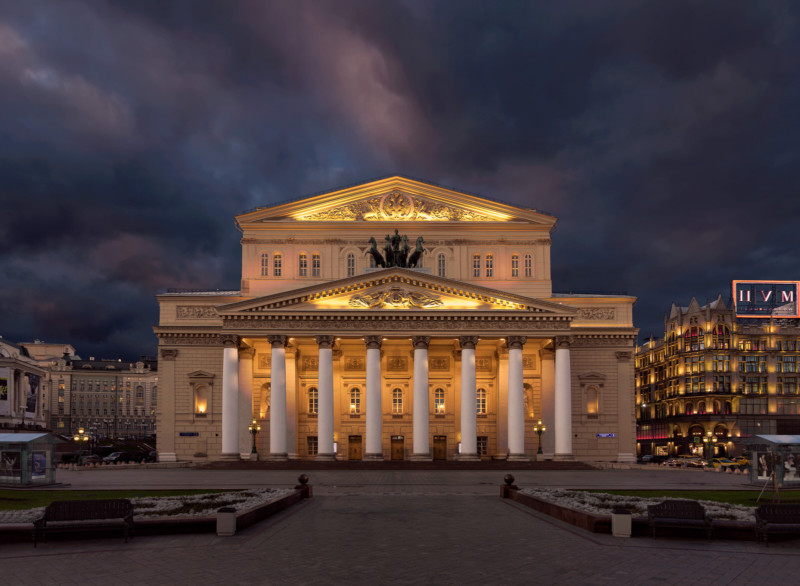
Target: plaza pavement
x,y
400,527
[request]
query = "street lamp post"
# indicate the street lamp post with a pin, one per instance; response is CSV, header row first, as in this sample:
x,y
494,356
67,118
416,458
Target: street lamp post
x,y
254,428
81,437
708,442
539,429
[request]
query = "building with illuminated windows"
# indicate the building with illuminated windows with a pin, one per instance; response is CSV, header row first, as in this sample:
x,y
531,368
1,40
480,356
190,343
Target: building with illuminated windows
x,y
716,377
395,319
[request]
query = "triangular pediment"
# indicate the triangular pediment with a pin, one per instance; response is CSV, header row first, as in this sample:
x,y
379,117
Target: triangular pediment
x,y
395,199
395,290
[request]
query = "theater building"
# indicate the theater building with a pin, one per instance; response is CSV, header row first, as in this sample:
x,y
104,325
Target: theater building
x,y
395,319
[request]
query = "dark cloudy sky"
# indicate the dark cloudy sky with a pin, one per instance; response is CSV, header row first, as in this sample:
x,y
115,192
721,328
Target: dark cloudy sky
x,y
664,135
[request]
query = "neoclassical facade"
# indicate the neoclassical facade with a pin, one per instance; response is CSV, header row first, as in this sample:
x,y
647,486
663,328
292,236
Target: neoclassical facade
x,y
395,319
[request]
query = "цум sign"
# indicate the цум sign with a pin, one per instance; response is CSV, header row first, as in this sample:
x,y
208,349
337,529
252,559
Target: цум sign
x,y
766,298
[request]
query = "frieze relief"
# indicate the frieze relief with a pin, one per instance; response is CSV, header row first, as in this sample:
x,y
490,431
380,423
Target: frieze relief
x,y
195,312
309,363
483,364
202,340
528,362
357,363
394,324
264,361
439,363
597,313
394,298
396,206
397,363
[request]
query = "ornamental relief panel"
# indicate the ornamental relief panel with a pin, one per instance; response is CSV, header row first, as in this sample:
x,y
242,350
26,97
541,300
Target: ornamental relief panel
x,y
397,363
264,361
399,324
395,298
483,364
355,363
597,313
439,363
396,206
309,363
528,362
178,340
195,312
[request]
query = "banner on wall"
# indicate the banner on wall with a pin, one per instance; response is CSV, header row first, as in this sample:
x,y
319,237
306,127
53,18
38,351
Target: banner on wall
x,y
33,394
5,385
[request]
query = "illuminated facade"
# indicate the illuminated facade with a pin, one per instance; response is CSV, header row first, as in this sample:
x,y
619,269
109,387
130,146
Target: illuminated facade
x,y
715,376
395,320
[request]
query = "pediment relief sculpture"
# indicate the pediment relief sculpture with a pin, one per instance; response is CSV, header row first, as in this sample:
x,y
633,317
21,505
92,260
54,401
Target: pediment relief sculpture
x,y
396,206
395,298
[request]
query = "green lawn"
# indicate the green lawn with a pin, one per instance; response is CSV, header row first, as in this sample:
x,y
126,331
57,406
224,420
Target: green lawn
x,y
733,497
16,500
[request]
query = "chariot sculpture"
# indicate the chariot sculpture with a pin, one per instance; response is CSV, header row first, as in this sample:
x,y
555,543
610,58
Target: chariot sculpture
x,y
396,251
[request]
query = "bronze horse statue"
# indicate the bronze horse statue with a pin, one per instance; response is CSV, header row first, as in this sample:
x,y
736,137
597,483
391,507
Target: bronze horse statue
x,y
376,255
415,256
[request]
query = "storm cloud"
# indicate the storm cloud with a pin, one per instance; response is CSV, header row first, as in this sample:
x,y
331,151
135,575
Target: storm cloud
x,y
663,135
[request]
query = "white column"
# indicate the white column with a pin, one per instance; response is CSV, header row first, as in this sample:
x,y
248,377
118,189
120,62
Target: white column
x,y
277,409
325,385
547,414
373,406
563,401
626,438
516,401
230,398
422,449
469,420
246,414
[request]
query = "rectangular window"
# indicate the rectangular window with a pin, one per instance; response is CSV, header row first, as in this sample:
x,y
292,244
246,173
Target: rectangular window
x,y
397,402
438,401
355,401
476,265
786,364
489,265
483,445
528,265
313,401
351,265
515,265
303,265
480,397
441,264
722,363
264,265
316,265
313,446
277,265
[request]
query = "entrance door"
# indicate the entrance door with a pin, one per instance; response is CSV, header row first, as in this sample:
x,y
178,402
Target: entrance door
x,y
354,447
398,447
440,447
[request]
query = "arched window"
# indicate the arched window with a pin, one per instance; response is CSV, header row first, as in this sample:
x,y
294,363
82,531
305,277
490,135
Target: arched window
x,y
515,265
303,265
313,400
316,265
372,264
201,399
153,395
701,408
441,264
355,401
728,409
476,265
481,401
722,337
490,265
438,401
689,409
139,395
397,401
592,401
351,265
265,265
528,265
717,407
694,339
277,264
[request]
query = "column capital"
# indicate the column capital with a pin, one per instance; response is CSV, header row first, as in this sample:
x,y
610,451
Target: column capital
x,y
373,342
623,355
421,342
563,342
325,342
229,340
277,341
247,352
169,353
516,342
468,342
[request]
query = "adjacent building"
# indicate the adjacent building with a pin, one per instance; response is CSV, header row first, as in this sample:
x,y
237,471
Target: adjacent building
x,y
22,402
395,319
715,380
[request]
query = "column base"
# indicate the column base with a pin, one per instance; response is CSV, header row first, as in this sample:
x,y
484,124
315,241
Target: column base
x,y
230,457
626,458
279,457
468,457
518,458
325,457
563,458
374,457
252,457
420,458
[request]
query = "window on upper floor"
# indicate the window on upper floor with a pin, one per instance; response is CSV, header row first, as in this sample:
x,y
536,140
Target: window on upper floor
x,y
515,265
722,337
490,265
476,265
441,265
316,265
313,400
480,397
397,401
438,401
277,264
694,339
355,401
351,265
265,265
303,265
528,265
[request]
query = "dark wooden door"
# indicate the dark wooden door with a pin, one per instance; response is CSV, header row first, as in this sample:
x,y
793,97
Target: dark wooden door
x,y
398,447
354,445
440,447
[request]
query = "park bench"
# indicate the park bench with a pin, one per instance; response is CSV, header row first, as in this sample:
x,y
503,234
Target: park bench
x,y
777,518
682,514
61,516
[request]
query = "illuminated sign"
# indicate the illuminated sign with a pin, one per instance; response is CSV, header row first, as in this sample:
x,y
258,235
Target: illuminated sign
x,y
766,298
